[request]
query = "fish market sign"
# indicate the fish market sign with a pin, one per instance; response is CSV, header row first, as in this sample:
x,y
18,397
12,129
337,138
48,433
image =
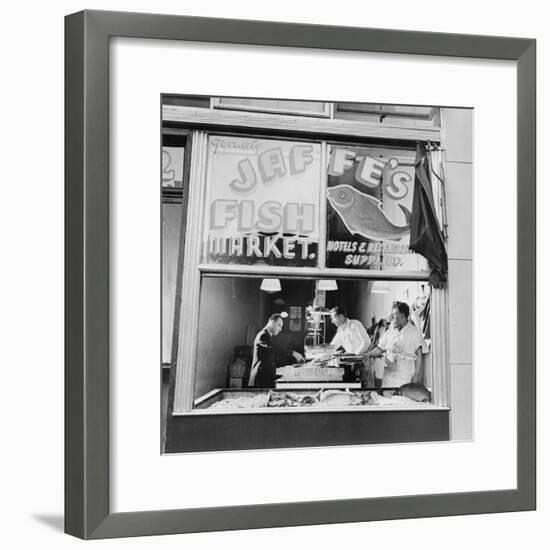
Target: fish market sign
x,y
262,202
369,197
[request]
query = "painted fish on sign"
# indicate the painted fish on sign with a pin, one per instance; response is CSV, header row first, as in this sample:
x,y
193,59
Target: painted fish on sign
x,y
369,200
363,214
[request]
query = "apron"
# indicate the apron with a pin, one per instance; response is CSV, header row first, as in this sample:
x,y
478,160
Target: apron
x,y
400,373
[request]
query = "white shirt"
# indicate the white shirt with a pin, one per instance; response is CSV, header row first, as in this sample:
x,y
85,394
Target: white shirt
x,y
402,342
352,336
400,346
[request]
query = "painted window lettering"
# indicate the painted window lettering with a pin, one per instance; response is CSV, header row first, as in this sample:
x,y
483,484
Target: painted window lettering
x,y
267,217
256,246
369,171
270,165
263,206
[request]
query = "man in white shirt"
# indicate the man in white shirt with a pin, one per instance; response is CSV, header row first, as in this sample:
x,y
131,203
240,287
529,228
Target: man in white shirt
x,y
402,346
351,336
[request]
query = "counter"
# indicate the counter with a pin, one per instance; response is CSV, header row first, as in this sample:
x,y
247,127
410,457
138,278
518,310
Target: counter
x,y
206,429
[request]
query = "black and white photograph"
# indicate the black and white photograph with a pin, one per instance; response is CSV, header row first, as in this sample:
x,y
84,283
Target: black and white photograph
x,y
316,259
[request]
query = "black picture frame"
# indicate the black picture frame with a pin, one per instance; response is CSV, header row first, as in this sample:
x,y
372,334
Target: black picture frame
x,y
87,511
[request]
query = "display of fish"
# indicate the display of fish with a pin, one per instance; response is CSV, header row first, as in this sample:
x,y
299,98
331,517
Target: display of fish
x,y
392,400
242,402
363,214
407,395
338,398
416,392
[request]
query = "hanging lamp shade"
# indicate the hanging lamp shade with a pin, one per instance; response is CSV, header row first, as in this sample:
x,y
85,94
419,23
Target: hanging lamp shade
x,y
380,287
327,284
271,285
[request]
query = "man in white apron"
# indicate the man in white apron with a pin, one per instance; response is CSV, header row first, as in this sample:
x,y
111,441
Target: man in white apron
x,y
402,346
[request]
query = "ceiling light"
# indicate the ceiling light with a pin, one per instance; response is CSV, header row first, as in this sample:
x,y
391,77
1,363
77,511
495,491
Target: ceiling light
x,y
271,285
327,284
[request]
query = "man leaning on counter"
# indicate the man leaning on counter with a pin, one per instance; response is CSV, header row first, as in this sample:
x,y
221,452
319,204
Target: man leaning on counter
x,y
263,372
352,337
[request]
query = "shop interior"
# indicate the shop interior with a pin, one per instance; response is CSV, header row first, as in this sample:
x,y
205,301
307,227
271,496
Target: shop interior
x,y
233,309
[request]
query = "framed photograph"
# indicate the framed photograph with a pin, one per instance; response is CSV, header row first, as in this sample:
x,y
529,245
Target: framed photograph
x,y
300,274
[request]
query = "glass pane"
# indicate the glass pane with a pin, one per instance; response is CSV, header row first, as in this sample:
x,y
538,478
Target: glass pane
x,y
312,349
171,225
369,202
172,166
262,205
202,102
406,116
273,105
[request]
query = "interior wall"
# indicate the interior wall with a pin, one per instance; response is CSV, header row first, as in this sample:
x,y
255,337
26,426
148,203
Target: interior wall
x,y
228,306
379,305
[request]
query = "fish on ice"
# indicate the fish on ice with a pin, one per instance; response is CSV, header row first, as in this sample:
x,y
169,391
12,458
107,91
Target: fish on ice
x,y
416,392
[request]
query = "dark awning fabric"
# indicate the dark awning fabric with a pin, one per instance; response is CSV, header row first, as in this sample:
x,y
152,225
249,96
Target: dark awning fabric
x,y
426,238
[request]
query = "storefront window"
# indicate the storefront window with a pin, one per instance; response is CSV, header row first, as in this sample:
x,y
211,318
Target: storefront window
x,y
309,354
295,287
290,230
262,205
